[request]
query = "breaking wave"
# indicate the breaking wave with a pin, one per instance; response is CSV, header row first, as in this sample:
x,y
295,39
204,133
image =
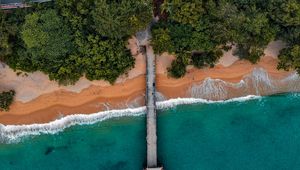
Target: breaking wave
x,y
254,85
14,133
258,82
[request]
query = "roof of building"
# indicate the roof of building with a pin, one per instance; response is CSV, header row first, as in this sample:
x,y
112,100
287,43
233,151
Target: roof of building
x,y
10,1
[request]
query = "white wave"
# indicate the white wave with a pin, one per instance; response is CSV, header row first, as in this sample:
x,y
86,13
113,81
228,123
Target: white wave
x,y
13,133
182,101
292,77
159,96
210,89
258,82
261,81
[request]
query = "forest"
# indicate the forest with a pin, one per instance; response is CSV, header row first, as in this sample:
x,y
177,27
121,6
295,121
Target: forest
x,y
198,31
68,39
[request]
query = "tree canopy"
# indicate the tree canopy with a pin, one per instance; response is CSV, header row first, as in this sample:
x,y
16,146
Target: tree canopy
x,y
202,28
6,99
7,31
117,19
47,39
67,39
290,58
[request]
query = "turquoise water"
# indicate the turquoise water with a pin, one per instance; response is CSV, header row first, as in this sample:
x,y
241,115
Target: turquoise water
x,y
259,134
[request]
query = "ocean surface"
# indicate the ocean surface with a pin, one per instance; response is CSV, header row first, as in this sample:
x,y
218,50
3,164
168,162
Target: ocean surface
x,y
257,134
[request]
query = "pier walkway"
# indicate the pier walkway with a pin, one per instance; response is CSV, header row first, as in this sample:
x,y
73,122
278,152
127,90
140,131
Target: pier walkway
x,y
151,109
150,97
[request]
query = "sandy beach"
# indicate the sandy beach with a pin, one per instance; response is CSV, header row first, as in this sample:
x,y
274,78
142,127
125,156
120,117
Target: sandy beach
x,y
50,101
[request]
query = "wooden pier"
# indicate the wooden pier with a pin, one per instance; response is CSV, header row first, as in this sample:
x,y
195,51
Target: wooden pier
x,y
151,109
150,99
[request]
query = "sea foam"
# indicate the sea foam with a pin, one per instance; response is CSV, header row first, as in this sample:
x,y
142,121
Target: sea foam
x,y
13,133
258,82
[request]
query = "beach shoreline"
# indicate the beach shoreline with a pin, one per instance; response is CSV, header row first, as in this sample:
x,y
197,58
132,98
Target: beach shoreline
x,y
130,93
39,100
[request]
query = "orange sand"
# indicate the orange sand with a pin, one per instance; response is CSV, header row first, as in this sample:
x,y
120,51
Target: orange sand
x,y
51,106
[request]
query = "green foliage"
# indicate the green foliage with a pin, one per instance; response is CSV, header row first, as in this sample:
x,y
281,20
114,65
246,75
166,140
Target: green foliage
x,y
67,39
48,43
250,53
118,19
290,58
7,31
286,13
205,26
205,59
254,32
184,12
17,57
6,99
178,66
107,59
47,38
186,33
69,72
161,41
101,46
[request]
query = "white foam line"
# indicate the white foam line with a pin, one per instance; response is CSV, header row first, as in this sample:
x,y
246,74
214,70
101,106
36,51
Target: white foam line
x,y
13,133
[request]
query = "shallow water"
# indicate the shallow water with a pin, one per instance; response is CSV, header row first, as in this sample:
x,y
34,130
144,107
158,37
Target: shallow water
x,y
256,134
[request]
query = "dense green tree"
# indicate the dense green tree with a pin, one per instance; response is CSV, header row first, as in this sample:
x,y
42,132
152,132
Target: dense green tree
x,y
6,99
211,25
7,31
75,11
61,38
67,39
187,33
17,57
205,59
46,37
97,53
185,12
178,66
286,13
252,33
106,59
290,58
161,41
48,43
121,18
70,71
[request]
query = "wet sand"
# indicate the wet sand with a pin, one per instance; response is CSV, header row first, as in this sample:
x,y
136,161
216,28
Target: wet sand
x,y
130,93
39,100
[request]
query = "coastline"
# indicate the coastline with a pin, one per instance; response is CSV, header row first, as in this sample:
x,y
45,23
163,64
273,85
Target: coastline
x,y
130,93
13,133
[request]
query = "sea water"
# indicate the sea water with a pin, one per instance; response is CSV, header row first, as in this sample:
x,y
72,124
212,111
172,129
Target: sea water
x,y
256,134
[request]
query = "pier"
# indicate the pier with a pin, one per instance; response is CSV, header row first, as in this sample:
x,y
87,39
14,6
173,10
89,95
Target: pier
x,y
150,98
150,101
151,109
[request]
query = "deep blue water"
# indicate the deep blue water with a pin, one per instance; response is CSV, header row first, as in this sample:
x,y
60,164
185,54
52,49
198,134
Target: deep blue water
x,y
259,134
